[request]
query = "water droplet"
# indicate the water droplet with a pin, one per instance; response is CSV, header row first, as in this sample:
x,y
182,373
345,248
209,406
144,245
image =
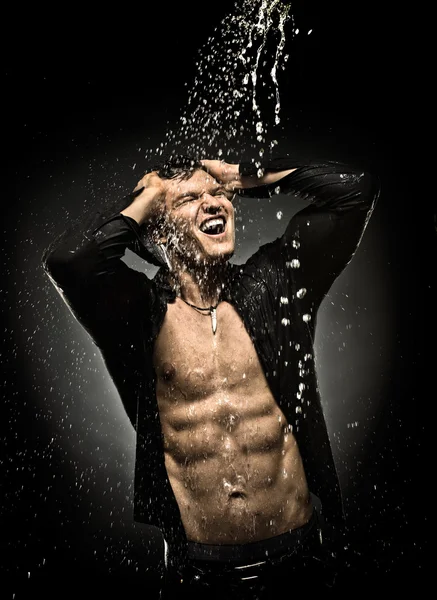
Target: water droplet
x,y
293,264
284,300
301,293
279,214
296,244
306,318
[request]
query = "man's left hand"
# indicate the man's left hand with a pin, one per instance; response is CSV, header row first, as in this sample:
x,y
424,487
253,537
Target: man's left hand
x,y
225,173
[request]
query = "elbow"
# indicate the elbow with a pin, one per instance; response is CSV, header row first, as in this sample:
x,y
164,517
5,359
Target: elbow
x,y
54,258
58,267
360,190
66,263
370,187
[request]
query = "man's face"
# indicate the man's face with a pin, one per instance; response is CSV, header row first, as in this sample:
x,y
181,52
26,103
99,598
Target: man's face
x,y
200,219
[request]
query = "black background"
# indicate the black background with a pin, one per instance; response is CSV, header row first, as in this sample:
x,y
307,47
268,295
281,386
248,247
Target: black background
x,y
73,78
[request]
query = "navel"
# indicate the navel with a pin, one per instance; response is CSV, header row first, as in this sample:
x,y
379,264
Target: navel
x,y
229,421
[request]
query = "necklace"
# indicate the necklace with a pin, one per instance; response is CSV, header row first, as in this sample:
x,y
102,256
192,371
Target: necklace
x,y
212,311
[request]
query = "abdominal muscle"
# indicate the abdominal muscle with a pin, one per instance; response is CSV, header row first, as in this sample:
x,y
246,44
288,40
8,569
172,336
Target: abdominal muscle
x,y
231,458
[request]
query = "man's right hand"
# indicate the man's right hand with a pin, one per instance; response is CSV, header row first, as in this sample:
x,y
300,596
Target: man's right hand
x,y
149,201
150,180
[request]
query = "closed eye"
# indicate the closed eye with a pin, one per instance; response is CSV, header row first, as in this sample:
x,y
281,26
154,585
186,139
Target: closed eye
x,y
184,200
223,191
230,195
220,192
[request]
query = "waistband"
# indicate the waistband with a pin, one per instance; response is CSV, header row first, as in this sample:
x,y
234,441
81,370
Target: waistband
x,y
260,550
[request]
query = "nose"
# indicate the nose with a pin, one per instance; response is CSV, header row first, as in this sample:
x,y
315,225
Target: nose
x,y
211,205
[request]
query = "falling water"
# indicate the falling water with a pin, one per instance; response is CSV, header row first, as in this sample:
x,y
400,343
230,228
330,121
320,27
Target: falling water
x,y
223,104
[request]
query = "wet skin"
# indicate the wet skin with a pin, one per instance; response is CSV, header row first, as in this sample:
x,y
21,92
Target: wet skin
x,y
232,461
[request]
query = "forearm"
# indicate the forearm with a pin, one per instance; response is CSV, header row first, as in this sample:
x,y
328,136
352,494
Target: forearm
x,y
91,247
330,185
142,209
246,175
95,248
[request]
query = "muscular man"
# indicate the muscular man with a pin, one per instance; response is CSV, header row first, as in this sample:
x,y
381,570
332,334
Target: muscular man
x,y
214,361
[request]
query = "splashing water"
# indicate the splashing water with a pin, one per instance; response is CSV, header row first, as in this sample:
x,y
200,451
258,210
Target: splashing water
x,y
223,105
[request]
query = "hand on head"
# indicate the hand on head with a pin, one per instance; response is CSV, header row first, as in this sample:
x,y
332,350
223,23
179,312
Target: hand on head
x,y
225,173
151,180
151,189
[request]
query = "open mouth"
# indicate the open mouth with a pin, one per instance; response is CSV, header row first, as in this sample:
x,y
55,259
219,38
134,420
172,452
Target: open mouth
x,y
237,495
214,226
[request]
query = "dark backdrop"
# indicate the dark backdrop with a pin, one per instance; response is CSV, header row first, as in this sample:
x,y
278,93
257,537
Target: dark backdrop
x,y
84,96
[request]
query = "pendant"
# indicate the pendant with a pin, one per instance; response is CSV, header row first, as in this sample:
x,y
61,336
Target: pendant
x,y
213,313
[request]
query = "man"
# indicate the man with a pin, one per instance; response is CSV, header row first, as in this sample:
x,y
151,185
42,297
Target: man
x,y
214,362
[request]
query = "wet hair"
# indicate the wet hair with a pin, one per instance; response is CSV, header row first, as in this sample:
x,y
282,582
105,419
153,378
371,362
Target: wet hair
x,y
179,166
171,166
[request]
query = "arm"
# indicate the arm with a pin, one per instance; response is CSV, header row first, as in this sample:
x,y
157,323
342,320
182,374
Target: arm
x,y
85,267
238,177
324,236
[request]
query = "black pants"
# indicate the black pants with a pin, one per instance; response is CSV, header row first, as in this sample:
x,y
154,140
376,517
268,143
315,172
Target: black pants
x,y
278,568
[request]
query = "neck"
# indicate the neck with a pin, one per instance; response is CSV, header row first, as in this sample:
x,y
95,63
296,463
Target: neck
x,y
201,287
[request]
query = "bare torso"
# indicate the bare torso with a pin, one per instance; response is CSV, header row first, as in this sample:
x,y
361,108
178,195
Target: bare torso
x,y
233,463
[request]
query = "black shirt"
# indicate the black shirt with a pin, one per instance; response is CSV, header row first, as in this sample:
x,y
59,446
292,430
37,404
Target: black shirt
x,y
277,293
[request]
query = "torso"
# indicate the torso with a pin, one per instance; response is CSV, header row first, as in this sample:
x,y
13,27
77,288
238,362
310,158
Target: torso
x,y
232,461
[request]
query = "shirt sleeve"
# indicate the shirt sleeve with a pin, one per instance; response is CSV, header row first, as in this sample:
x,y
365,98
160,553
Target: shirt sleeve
x,y
321,239
84,264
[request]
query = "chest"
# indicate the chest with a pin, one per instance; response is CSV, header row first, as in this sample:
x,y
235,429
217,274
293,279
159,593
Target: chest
x,y
186,349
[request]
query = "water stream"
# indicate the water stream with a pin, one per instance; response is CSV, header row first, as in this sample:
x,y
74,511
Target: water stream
x,y
237,65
